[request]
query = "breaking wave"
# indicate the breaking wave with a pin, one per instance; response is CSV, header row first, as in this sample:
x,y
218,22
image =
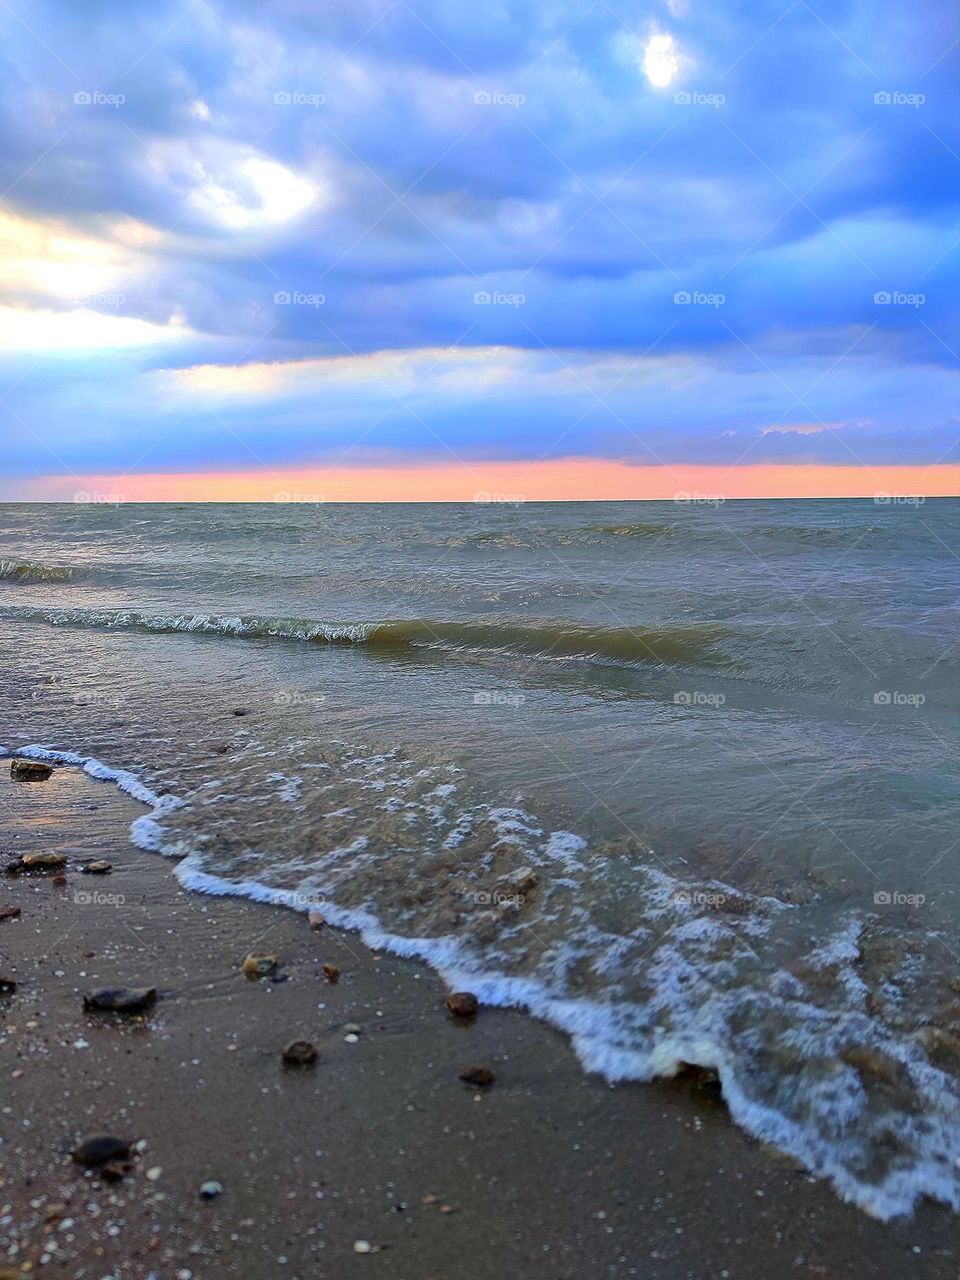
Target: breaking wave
x,y
27,571
536,639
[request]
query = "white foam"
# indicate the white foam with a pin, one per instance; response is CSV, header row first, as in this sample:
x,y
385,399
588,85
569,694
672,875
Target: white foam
x,y
606,1036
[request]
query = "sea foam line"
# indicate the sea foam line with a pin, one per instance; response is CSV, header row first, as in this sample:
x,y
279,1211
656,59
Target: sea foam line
x,y
587,1022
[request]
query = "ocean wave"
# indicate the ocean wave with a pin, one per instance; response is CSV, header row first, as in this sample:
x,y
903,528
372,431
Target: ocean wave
x,y
543,639
692,974
28,571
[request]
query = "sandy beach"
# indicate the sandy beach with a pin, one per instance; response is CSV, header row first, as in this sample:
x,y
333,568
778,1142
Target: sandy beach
x,y
377,1159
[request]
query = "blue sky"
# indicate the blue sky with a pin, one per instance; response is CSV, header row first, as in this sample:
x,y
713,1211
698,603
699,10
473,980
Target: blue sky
x,y
288,234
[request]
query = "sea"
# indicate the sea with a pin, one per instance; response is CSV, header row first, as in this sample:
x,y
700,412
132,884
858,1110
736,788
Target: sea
x,y
680,778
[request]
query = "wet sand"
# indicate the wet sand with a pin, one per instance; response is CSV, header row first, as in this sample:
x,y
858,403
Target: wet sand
x,y
548,1173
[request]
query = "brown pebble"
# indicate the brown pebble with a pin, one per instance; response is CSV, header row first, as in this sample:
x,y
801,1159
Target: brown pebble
x,y
114,1170
100,1149
331,972
429,1198
241,711
258,964
300,1053
59,881
43,861
30,770
99,867
463,1004
448,1208
480,1076
315,920
9,913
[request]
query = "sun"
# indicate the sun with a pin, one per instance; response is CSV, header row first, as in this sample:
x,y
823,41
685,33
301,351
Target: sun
x,y
661,60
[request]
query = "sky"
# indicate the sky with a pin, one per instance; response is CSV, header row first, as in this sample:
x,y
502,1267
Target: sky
x,y
545,248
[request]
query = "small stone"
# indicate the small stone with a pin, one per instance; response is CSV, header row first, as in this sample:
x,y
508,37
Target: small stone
x,y
153,1174
7,986
120,999
100,1149
99,867
331,972
43,861
259,964
315,920
210,1190
353,1028
352,1038
362,1246
30,770
241,711
479,1076
115,1170
463,1004
59,881
429,1198
300,1053
9,913
448,1208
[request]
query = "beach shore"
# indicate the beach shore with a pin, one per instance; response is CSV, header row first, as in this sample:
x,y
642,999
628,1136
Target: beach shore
x,y
377,1159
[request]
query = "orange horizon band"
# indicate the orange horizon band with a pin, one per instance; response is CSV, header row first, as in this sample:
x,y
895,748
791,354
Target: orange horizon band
x,y
566,479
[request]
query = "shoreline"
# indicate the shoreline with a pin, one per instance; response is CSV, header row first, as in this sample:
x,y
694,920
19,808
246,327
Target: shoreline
x,y
312,1161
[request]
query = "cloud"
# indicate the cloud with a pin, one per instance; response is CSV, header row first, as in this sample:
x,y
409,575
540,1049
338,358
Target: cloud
x,y
169,176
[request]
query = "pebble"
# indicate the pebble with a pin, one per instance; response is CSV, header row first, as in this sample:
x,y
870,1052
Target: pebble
x,y
120,999
154,1173
362,1246
300,1053
210,1190
9,913
99,867
480,1076
30,770
100,1149
331,972
463,1004
7,986
258,964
